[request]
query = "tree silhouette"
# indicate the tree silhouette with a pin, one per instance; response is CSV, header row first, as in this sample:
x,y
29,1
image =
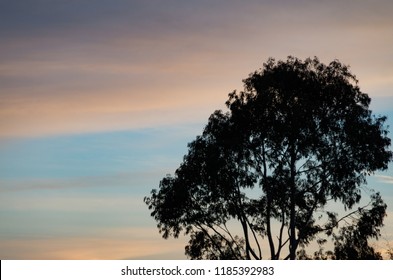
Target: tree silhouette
x,y
299,138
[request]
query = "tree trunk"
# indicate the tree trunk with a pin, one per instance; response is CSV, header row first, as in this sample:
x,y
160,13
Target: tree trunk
x,y
292,222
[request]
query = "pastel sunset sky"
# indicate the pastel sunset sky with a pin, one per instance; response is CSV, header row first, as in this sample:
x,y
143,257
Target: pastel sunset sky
x,y
98,100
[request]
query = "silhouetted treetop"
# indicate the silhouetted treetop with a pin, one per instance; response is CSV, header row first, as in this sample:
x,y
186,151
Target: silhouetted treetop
x,y
299,136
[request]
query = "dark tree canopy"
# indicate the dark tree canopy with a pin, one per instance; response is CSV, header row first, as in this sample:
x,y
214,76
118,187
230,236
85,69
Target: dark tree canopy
x,y
299,137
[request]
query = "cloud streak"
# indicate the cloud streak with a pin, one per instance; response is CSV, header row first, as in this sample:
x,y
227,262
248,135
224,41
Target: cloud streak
x,y
105,246
385,179
160,64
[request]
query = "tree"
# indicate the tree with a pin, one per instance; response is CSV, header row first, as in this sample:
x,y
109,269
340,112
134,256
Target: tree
x,y
299,138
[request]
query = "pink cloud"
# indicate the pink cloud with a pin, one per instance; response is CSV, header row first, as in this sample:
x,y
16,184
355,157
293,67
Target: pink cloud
x,y
130,244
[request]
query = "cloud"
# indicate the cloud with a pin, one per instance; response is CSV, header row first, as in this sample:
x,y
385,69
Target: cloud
x,y
86,92
77,225
131,181
133,64
135,243
106,111
385,179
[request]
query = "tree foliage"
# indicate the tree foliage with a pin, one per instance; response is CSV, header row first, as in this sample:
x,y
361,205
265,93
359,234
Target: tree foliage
x,y
299,137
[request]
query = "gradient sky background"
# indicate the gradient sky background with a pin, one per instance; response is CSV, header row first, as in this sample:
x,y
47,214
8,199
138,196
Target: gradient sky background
x,y
98,100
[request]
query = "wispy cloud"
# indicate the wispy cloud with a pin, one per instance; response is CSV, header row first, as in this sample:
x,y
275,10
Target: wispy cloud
x,y
135,243
90,71
385,179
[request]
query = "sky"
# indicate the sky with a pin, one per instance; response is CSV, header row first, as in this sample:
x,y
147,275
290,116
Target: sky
x,y
98,100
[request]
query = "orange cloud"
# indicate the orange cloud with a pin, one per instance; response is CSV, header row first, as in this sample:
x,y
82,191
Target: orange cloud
x,y
131,244
62,83
106,110
74,94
